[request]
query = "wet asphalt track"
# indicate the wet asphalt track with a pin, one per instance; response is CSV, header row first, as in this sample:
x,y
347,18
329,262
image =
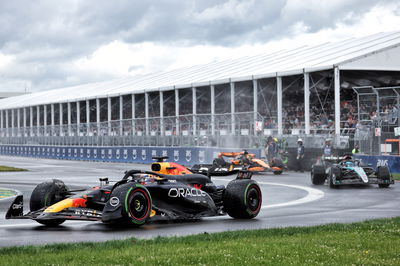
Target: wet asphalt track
x,y
288,200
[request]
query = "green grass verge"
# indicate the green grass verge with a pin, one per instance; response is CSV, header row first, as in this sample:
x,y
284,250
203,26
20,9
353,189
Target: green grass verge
x,y
396,176
10,169
372,242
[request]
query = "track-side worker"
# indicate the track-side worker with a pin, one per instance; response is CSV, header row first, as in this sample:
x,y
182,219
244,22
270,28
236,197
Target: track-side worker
x,y
300,156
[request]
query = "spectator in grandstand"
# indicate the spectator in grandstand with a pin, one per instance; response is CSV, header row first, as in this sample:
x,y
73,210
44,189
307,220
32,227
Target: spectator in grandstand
x,y
300,156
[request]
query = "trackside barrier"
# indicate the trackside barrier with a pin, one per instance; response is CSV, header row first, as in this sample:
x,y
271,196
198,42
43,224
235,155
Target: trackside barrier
x,y
186,156
393,162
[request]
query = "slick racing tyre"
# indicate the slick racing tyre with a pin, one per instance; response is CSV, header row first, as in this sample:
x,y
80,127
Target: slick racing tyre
x,y
383,173
318,174
46,194
242,199
137,205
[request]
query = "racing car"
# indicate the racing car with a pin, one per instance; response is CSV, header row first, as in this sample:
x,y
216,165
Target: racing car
x,y
139,197
240,161
348,171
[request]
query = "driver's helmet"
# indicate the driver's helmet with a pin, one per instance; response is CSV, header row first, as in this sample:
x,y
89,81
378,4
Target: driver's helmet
x,y
349,164
148,177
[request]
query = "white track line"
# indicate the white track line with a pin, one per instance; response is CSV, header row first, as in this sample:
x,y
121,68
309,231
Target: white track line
x,y
312,195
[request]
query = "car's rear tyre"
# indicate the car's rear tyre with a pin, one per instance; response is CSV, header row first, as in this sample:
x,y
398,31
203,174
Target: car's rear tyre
x,y
277,172
46,194
137,205
242,199
318,174
383,173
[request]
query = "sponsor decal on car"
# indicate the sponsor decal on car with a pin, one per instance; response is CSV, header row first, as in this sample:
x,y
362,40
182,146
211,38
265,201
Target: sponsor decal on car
x,y
185,192
114,201
16,206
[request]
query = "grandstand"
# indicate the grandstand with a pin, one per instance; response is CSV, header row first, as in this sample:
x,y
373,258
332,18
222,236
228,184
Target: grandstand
x,y
342,90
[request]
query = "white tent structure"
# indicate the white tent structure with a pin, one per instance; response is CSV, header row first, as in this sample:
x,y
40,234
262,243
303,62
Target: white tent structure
x,y
378,52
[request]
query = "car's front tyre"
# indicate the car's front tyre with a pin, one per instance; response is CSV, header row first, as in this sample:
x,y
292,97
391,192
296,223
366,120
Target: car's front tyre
x,y
318,174
46,194
242,199
383,174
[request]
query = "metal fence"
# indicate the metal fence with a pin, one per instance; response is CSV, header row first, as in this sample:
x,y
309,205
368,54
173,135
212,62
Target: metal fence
x,y
238,130
223,130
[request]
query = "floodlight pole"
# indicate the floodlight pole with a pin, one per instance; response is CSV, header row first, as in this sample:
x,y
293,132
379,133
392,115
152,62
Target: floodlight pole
x,y
232,86
30,120
38,120
212,90
78,117
18,121
45,120
279,104
121,114
146,112
307,102
7,123
194,111
337,100
60,116
52,117
133,115
177,126
1,123
255,105
87,117
109,115
161,113
24,122
98,116
12,122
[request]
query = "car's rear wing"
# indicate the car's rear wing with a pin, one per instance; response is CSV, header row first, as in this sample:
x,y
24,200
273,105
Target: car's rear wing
x,y
332,159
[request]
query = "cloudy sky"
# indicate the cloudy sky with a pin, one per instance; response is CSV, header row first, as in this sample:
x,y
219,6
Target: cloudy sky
x,y
47,44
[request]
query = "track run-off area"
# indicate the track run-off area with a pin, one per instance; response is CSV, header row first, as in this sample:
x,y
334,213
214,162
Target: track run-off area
x,y
288,200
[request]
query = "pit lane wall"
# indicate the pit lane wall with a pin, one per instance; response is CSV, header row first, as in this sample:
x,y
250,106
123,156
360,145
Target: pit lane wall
x,y
183,155
392,161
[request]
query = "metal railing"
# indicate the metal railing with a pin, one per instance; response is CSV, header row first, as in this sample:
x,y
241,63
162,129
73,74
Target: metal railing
x,y
234,130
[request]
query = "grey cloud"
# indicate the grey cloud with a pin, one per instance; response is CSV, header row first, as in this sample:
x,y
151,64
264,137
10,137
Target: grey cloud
x,y
45,36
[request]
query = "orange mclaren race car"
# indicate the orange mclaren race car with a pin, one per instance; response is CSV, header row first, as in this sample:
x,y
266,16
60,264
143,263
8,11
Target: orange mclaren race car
x,y
240,161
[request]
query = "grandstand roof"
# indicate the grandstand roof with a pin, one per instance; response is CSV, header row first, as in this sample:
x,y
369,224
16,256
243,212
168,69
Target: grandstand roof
x,y
378,52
